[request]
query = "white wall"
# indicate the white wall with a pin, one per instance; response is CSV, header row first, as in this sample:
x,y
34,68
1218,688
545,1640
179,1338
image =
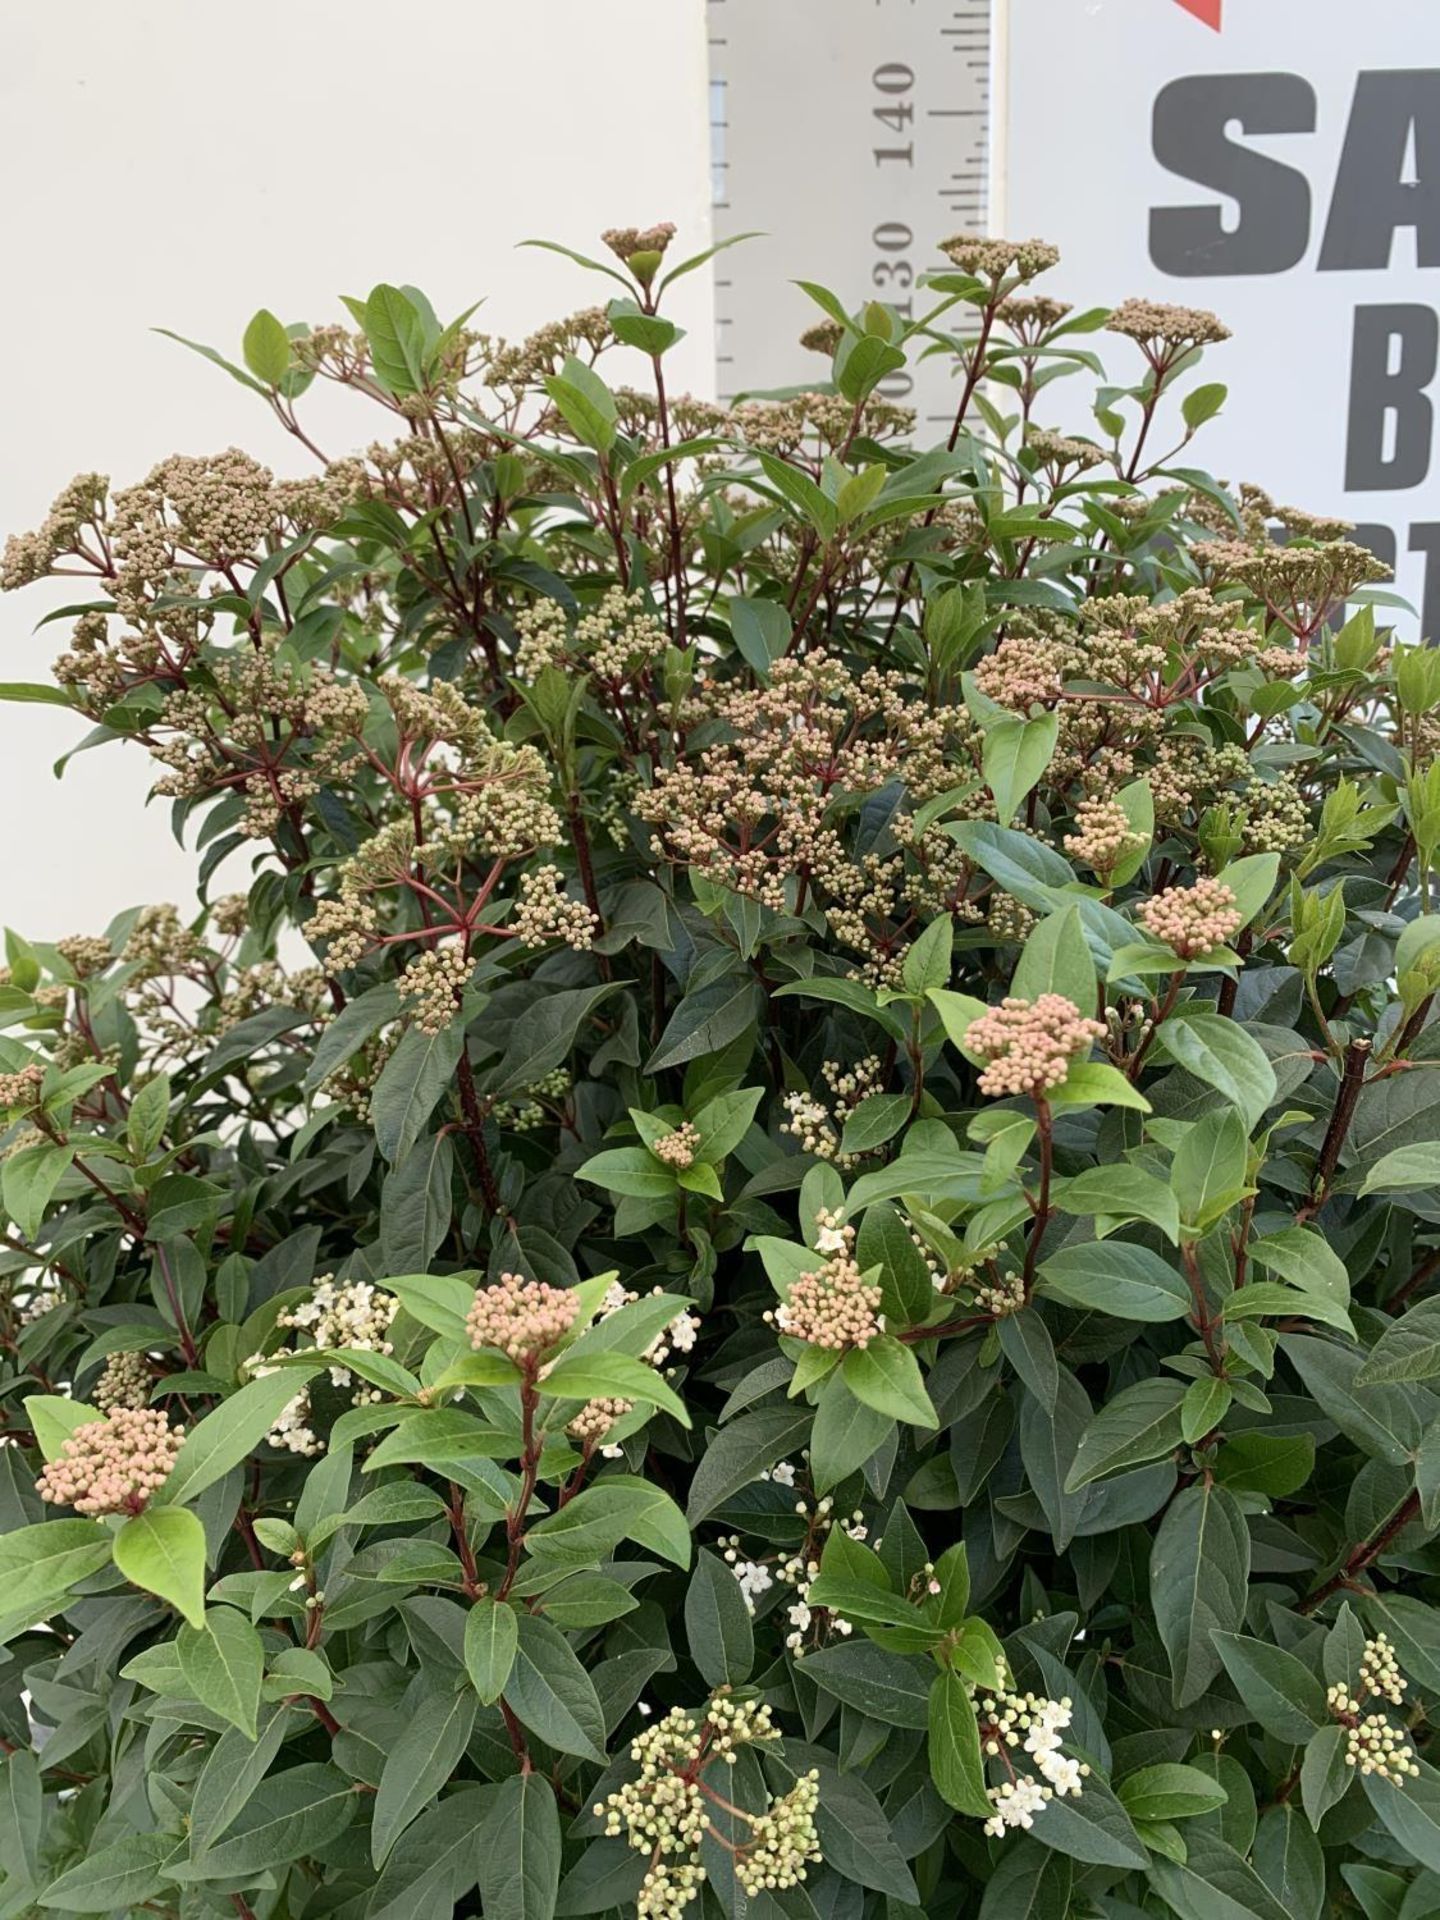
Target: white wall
x,y
181,164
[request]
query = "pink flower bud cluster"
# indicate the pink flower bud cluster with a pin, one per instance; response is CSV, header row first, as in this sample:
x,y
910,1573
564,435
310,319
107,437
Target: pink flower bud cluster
x,y
678,1149
596,1418
1029,1047
22,1088
523,1318
1192,919
832,1307
113,1465
1103,835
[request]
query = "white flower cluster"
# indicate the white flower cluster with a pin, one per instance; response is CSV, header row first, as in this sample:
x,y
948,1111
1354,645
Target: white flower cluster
x,y
796,1570
813,1123
339,1314
1033,1725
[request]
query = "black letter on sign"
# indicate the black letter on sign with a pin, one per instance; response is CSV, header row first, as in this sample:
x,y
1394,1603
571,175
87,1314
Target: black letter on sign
x,y
1372,196
1425,538
1381,391
1190,132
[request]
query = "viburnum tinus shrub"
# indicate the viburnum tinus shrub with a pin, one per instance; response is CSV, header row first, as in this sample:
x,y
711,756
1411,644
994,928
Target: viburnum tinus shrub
x,y
777,1262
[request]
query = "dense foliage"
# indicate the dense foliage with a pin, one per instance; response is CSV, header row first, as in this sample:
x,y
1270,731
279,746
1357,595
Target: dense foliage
x,y
778,1263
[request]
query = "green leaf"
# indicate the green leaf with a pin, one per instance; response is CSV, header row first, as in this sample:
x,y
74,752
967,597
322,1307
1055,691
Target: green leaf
x,y
1289,1859
707,1021
740,1452
1022,865
1206,1403
40,694
1092,1827
443,1438
235,1768
585,403
266,348
395,333
427,1752
723,1122
291,1815
1208,1173
633,1172
53,1419
1306,1260
846,1434
878,1118
928,961
40,1564
215,359
885,1686
855,1835
1270,1463
614,1509
1111,1276
231,1431
1407,1350
594,1376
1215,1882
491,1637
22,1815
1203,403
907,1289
1383,1421
957,1767
551,1693
520,1851
762,630
544,1035
1405,1170
1169,1791
1224,1056
1029,1883
1141,1423
123,1875
1056,959
1025,1342
1252,881
1015,754
28,1181
441,1301
718,1627
415,1077
163,1551
800,493
1118,1193
149,1114
1262,1299
223,1661
1199,1577
1325,1777
885,1375
1410,1814
1277,1689
1095,1083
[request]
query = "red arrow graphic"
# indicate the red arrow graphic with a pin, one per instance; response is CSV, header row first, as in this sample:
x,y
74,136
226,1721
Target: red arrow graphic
x,y
1206,10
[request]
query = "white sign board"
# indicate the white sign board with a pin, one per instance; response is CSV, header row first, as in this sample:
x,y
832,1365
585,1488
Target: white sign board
x,y
1279,162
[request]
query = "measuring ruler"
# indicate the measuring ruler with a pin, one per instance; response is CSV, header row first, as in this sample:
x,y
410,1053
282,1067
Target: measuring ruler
x,y
853,135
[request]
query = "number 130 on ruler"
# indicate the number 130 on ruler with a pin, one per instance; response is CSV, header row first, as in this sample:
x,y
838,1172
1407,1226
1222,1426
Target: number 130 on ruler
x,y
853,135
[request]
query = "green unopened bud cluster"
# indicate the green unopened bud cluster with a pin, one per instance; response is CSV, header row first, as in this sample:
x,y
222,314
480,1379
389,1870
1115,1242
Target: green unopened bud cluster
x,y
1372,1745
667,1811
